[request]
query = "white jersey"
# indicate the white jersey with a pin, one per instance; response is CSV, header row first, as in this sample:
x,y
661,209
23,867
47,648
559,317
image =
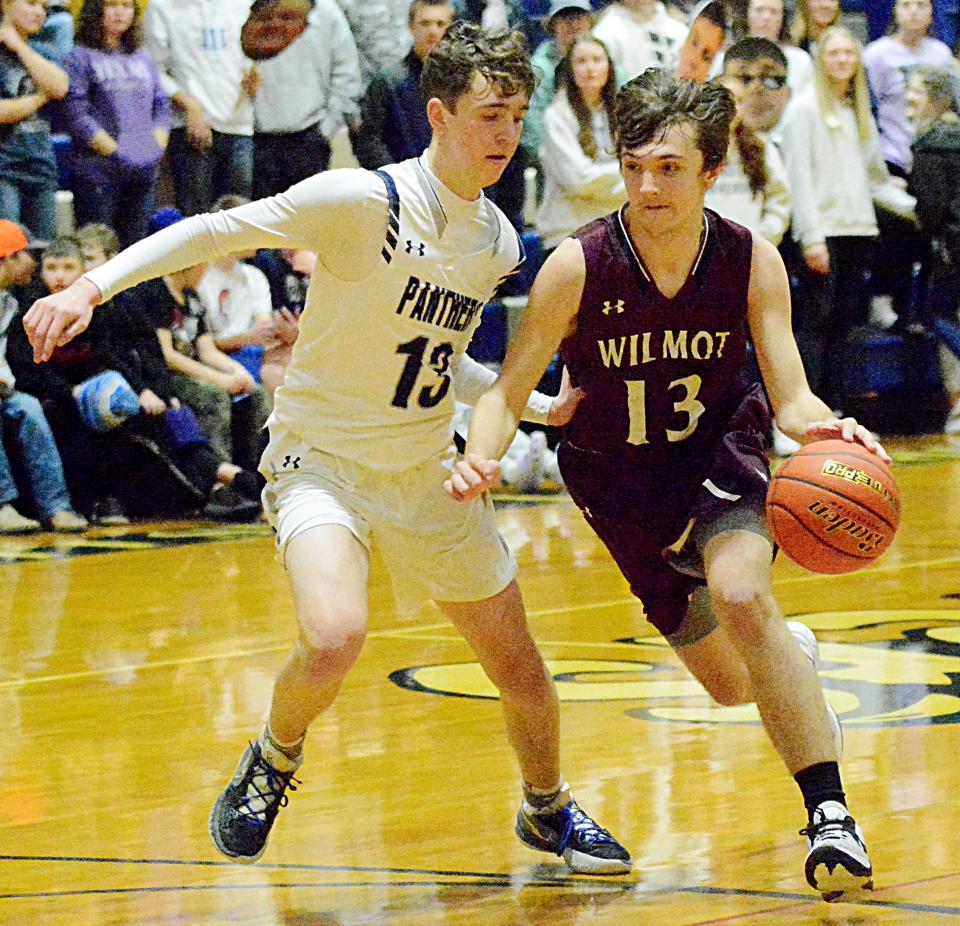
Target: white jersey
x,y
405,267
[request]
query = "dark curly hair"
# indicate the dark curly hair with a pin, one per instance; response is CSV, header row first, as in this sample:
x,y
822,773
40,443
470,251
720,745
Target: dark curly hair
x,y
608,96
466,49
650,105
90,27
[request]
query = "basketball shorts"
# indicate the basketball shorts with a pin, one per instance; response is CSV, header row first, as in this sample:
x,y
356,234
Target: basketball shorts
x,y
433,547
643,533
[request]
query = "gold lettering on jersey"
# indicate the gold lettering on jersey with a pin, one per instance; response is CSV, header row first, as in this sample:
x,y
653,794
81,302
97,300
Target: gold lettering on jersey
x,y
637,349
434,305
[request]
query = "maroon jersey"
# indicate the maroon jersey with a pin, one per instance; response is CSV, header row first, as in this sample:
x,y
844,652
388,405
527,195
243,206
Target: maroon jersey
x,y
662,377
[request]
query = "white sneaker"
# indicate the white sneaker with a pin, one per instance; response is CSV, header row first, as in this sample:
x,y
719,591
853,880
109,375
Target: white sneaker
x,y
529,476
811,649
12,522
783,446
952,424
881,312
837,862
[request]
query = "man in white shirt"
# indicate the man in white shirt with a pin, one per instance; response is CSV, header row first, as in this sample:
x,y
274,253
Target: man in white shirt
x,y
196,44
640,34
407,257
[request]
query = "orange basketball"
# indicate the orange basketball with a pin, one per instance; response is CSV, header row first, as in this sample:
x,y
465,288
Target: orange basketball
x,y
833,507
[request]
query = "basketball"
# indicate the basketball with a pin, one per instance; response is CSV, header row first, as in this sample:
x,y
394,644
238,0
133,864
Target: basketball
x,y
833,507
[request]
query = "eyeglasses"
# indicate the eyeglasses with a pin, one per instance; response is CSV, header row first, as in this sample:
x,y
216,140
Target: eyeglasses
x,y
767,81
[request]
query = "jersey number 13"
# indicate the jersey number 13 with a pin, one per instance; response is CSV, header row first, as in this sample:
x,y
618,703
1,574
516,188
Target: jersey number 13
x,y
688,405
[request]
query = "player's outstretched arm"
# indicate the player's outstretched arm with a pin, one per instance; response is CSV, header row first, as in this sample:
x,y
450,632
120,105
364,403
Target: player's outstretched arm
x,y
799,413
549,316
56,319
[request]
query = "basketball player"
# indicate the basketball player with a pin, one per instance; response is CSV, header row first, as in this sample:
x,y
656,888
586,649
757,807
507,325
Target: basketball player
x,y
650,308
407,257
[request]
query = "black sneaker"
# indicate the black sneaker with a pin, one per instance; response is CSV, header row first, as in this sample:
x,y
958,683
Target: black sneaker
x,y
837,862
226,504
585,846
244,813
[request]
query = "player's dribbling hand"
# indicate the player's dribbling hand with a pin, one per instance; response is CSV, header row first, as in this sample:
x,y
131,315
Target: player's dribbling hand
x,y
845,429
472,476
57,319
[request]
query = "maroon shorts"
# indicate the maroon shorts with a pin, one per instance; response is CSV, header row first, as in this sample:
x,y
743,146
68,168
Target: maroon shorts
x,y
637,521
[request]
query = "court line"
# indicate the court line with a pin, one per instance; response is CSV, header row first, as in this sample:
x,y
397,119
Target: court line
x,y
479,879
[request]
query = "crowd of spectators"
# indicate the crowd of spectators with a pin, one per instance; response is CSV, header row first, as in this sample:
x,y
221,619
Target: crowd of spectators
x,y
845,154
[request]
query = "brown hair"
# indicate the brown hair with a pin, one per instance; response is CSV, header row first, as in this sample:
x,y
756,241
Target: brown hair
x,y
650,105
103,236
467,50
90,27
800,28
608,95
418,5
752,156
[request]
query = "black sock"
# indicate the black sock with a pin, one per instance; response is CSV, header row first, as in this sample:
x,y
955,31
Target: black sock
x,y
819,783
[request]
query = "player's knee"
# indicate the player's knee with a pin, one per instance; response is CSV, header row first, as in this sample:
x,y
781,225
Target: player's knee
x,y
741,606
330,647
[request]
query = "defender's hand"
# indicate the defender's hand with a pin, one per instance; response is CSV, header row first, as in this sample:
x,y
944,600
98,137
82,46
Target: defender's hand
x,y
57,319
472,476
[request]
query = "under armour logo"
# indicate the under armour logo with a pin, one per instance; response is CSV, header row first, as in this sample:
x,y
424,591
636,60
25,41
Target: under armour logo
x,y
290,460
420,246
615,307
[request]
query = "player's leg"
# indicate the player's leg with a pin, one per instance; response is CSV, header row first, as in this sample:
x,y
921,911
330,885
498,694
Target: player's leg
x,y
496,630
791,704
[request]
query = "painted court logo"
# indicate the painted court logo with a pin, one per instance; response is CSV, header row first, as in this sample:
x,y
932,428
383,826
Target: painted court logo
x,y
877,668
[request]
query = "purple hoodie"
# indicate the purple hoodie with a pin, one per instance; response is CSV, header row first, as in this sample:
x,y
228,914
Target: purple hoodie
x,y
119,92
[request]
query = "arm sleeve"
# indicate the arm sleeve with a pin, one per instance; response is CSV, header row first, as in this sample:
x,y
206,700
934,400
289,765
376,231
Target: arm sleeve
x,y
339,214
345,83
798,156
776,198
156,37
471,380
368,143
77,114
562,156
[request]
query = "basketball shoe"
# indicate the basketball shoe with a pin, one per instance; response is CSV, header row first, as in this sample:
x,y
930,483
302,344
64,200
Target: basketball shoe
x,y
567,831
811,649
244,813
837,862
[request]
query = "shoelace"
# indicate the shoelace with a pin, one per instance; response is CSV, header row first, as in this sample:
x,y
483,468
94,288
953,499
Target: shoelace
x,y
274,796
577,822
830,828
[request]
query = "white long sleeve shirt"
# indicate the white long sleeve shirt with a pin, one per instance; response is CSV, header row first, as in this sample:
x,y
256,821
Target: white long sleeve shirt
x,y
576,189
401,279
315,80
835,177
636,44
196,44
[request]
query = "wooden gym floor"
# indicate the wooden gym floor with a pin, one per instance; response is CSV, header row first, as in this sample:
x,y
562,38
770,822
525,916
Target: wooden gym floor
x,y
134,665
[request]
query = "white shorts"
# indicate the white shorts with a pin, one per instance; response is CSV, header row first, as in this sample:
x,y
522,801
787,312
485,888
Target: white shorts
x,y
433,547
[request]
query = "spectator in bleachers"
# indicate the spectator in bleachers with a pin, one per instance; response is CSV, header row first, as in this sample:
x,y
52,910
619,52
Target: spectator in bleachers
x,y
236,296
23,422
99,243
640,34
935,181
752,188
196,45
225,397
378,28
393,111
836,172
55,39
758,67
582,179
293,130
118,118
498,16
705,38
28,81
768,19
811,19
565,22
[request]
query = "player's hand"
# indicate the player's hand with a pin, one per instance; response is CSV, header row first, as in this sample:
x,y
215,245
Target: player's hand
x,y
471,477
199,133
57,319
817,258
565,403
845,429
